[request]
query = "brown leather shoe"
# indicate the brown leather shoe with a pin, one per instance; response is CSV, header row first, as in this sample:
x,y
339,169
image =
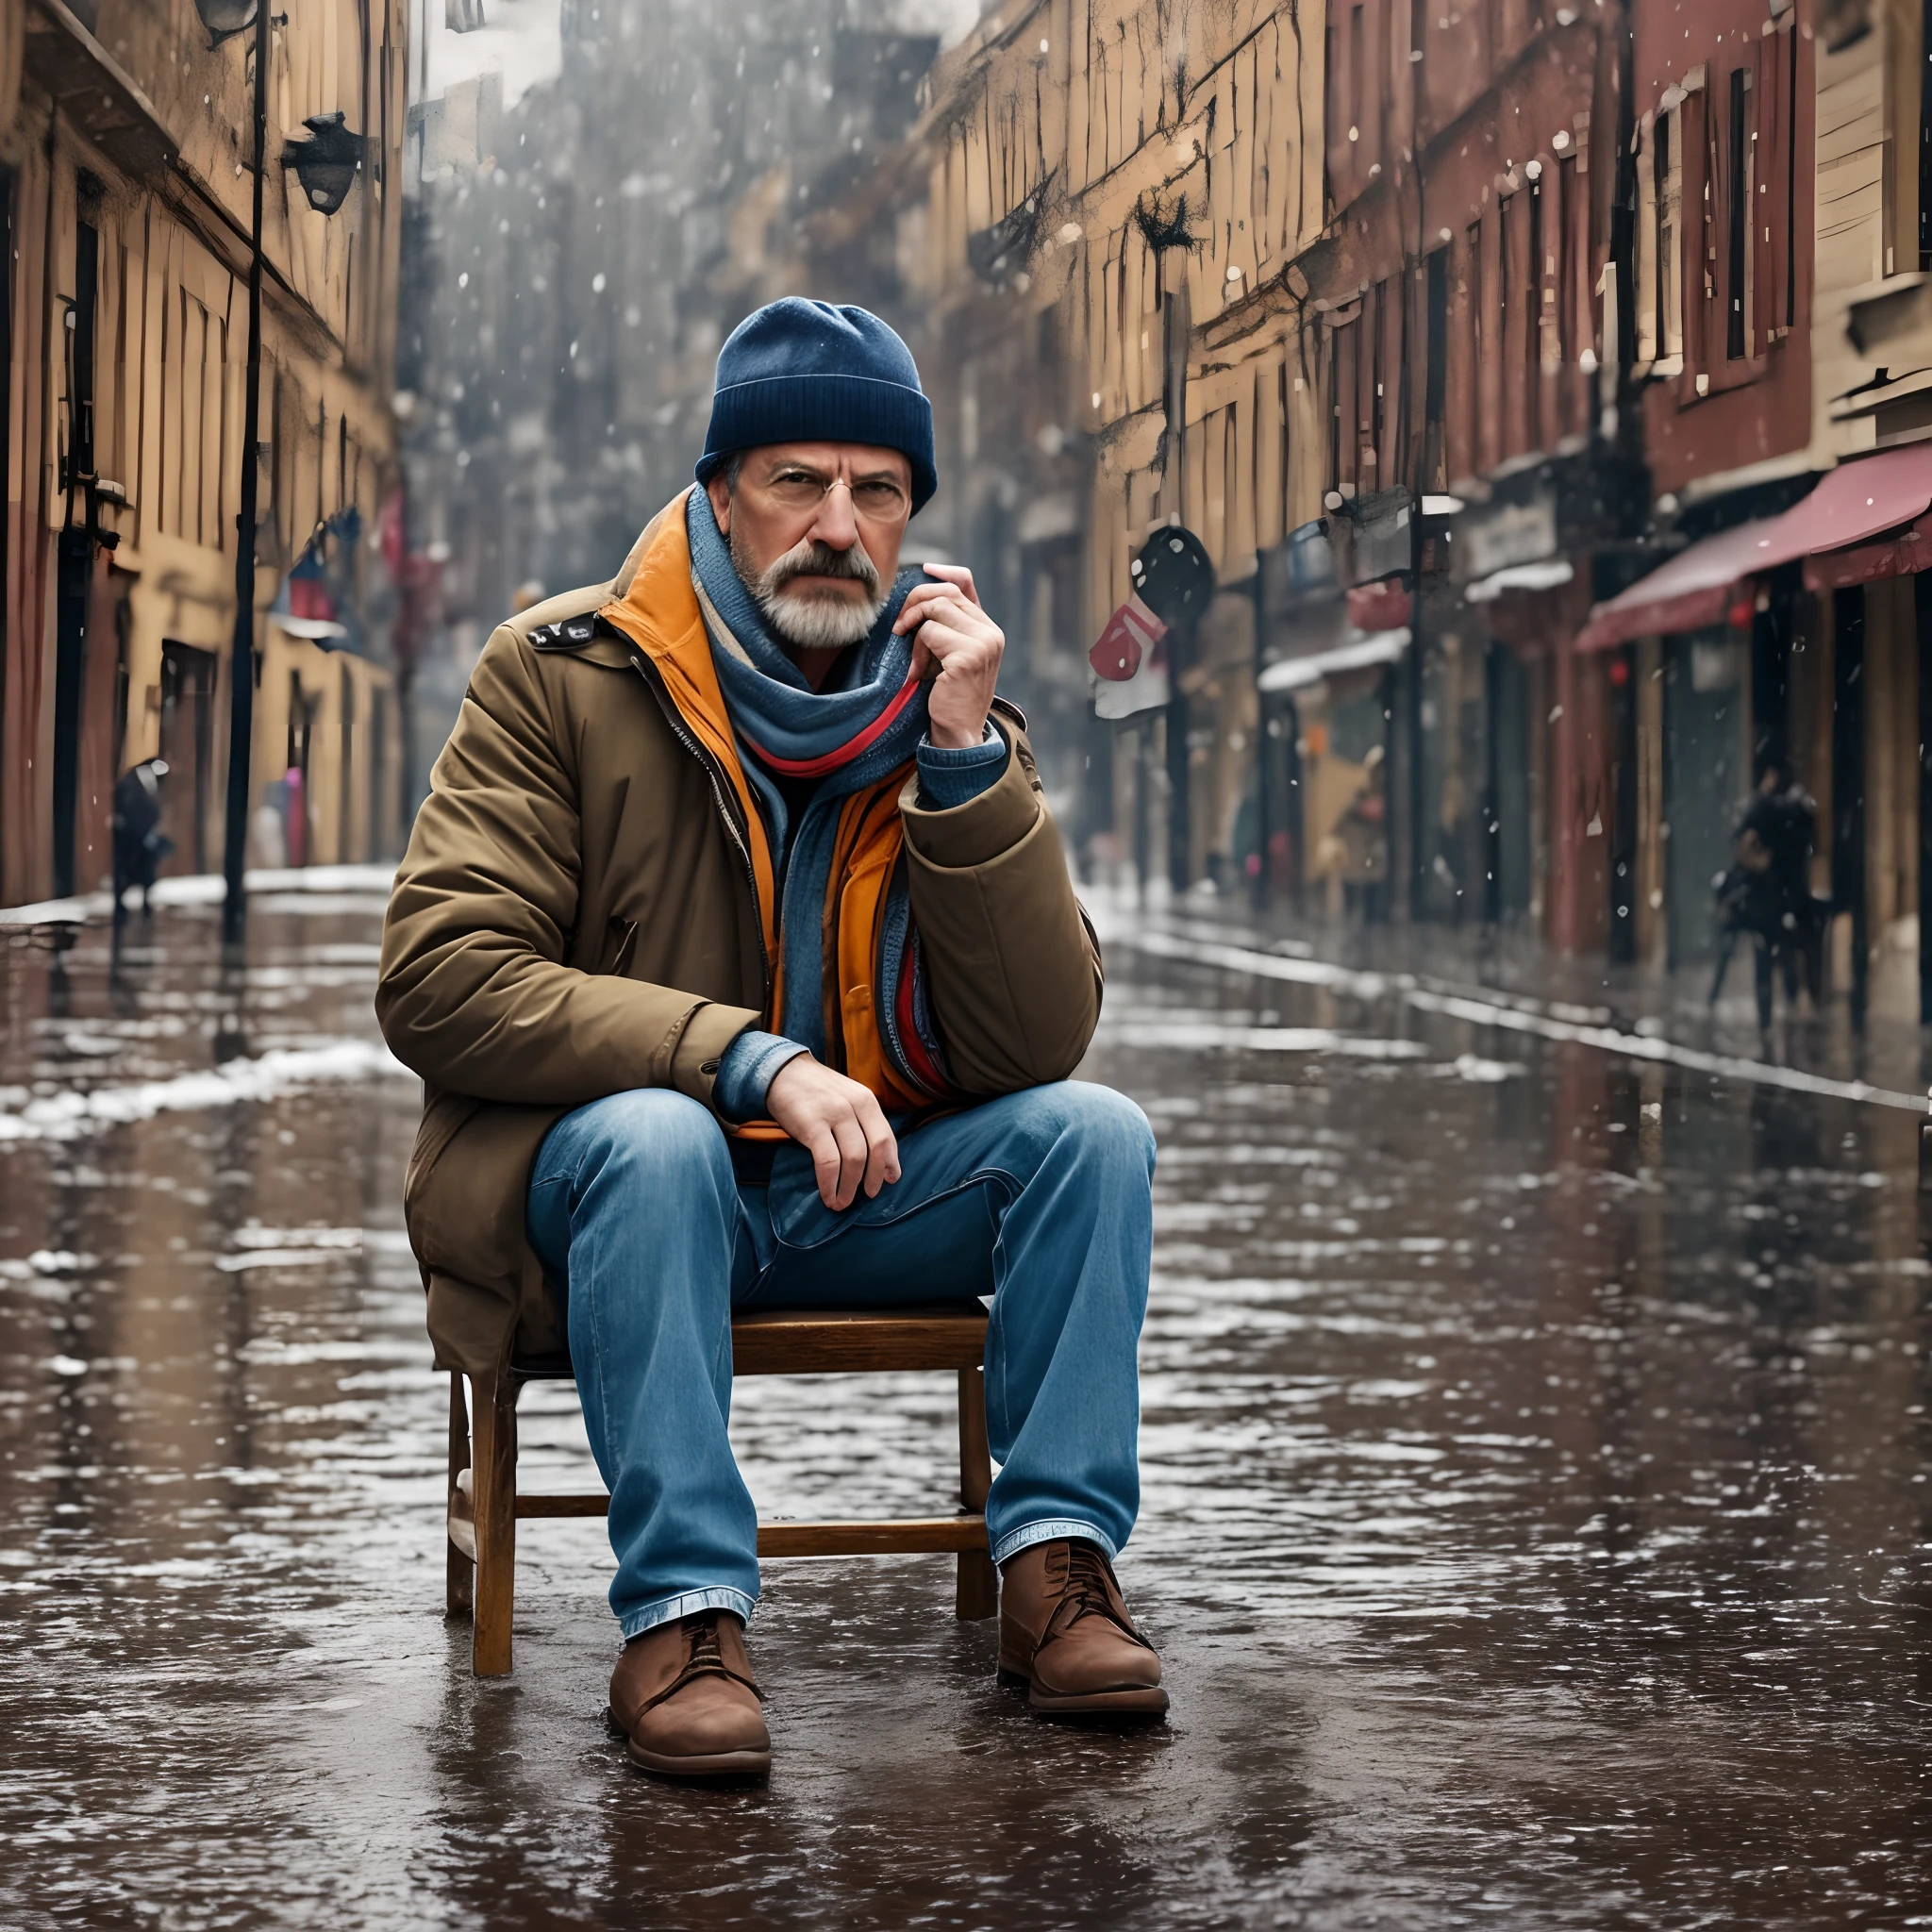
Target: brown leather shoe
x,y
683,1694
1065,1633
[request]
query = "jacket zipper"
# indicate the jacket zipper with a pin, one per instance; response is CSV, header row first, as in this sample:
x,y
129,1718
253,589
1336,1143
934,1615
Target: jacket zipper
x,y
682,733
885,1013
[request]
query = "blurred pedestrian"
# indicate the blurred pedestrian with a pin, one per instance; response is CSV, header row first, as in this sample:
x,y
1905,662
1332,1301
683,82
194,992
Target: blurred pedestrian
x,y
139,847
1355,854
1765,895
1364,833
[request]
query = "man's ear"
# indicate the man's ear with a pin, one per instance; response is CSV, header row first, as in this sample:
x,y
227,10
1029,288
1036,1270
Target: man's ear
x,y
720,492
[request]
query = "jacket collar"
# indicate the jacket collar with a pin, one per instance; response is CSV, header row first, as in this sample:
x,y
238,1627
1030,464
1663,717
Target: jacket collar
x,y
657,611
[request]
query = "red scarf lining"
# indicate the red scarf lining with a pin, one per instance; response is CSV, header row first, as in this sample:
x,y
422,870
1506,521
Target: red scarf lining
x,y
831,760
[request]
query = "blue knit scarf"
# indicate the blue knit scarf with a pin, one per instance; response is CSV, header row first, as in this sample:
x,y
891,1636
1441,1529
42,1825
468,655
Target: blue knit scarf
x,y
865,723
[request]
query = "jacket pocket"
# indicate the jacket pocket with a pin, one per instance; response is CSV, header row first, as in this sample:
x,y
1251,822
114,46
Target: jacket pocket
x,y
442,1120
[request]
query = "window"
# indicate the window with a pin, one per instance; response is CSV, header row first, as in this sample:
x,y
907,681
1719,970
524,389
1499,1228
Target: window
x,y
193,354
1785,46
1573,214
1533,285
121,448
1375,440
1343,379
1668,175
1332,73
1358,61
1479,348
1925,135
1738,218
6,179
80,374
1436,374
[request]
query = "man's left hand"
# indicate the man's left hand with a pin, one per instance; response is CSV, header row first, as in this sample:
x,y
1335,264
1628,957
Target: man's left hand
x,y
957,646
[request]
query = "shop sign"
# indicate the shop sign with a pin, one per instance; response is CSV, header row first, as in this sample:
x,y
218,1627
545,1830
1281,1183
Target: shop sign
x,y
1502,534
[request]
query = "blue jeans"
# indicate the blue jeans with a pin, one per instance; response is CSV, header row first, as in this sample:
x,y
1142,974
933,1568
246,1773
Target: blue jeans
x,y
1042,1199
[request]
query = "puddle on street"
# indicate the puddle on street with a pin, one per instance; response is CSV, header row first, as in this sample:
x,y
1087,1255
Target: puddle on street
x,y
1535,1526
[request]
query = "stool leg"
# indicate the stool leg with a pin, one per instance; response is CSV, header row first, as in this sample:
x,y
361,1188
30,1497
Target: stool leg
x,y
493,1403
977,1593
459,1587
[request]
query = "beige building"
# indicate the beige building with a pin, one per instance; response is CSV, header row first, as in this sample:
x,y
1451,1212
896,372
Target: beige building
x,y
124,186
1092,230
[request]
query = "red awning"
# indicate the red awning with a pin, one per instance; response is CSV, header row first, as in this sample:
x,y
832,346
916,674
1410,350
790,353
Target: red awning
x,y
1899,554
1858,500
1692,591
1851,505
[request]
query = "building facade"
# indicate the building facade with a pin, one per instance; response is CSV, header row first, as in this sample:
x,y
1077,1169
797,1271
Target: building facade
x,y
1087,239
125,194
1532,376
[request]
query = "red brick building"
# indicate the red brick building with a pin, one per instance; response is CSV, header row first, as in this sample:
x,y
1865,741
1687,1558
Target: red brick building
x,y
1469,304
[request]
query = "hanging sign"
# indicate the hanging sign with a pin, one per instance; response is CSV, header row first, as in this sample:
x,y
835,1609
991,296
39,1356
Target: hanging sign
x,y
1173,580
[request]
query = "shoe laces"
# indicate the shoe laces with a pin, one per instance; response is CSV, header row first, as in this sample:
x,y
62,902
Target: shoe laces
x,y
704,1659
1091,1590
706,1653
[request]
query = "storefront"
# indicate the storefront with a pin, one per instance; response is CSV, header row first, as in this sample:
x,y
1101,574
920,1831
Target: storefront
x,y
1323,687
1796,641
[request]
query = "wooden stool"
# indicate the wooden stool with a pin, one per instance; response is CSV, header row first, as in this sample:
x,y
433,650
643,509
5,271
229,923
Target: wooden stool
x,y
484,1503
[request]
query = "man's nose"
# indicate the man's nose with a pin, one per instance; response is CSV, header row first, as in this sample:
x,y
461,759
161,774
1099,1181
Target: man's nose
x,y
835,525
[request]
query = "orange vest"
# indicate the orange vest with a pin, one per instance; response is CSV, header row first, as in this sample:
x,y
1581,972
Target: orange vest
x,y
661,616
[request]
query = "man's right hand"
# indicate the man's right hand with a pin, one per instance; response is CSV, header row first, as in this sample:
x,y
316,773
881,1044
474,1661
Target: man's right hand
x,y
841,1123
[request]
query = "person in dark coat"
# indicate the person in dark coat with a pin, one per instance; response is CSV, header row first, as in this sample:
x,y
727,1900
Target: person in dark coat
x,y
139,846
1766,893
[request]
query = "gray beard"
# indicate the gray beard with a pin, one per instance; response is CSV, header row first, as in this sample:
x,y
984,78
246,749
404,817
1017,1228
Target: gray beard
x,y
812,624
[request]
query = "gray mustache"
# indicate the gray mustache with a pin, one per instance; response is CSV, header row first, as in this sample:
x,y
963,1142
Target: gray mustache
x,y
816,559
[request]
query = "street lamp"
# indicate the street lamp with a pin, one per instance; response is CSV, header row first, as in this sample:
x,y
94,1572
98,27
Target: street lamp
x,y
327,163
223,19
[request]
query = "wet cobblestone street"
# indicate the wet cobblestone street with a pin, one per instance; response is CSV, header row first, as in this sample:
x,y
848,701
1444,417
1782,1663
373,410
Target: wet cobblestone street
x,y
1536,1527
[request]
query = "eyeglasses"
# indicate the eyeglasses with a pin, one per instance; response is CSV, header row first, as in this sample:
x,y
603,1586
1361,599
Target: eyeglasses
x,y
876,499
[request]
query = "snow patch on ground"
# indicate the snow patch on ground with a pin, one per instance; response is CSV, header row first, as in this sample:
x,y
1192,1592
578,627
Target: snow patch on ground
x,y
267,1076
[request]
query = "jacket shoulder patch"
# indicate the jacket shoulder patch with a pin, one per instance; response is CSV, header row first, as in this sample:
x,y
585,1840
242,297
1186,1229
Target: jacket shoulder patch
x,y
566,634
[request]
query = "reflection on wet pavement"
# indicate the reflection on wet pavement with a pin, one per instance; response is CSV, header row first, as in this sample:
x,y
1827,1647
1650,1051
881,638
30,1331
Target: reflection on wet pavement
x,y
1536,1523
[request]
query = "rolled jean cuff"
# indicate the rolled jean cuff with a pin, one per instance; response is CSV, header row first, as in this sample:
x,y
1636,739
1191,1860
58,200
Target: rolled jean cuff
x,y
1054,1530
667,1608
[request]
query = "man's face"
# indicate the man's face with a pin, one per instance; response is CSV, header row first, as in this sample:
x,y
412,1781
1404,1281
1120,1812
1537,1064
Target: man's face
x,y
814,529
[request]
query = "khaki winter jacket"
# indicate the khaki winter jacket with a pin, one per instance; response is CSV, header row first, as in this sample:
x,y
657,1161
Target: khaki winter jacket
x,y
576,915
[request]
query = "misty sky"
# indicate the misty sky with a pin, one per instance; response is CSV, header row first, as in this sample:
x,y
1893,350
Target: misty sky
x,y
522,41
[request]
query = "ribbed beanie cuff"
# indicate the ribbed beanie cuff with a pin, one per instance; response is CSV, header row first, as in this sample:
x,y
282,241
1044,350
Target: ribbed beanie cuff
x,y
807,371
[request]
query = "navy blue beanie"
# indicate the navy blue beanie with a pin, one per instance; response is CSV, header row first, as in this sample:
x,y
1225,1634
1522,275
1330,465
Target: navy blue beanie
x,y
810,372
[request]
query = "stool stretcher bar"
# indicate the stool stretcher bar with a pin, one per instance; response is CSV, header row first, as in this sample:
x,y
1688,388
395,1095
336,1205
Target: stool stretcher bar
x,y
484,1504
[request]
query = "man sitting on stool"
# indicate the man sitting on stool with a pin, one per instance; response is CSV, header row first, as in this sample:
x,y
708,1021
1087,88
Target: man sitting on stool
x,y
738,949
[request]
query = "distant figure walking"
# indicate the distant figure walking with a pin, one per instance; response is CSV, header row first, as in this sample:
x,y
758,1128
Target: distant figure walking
x,y
1766,895
139,846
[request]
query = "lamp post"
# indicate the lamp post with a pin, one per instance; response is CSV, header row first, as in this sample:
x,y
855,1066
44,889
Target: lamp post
x,y
242,671
327,165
